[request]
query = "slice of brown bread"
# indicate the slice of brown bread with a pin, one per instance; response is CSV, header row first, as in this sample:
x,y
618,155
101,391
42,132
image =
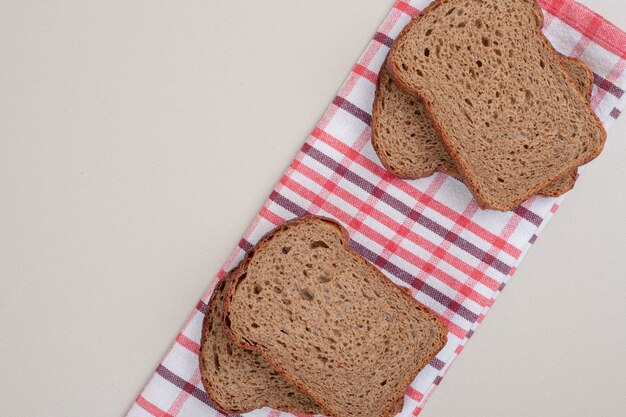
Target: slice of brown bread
x,y
406,142
499,99
238,380
329,321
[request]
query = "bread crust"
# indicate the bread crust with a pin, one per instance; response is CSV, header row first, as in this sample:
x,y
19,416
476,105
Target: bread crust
x,y
240,272
442,133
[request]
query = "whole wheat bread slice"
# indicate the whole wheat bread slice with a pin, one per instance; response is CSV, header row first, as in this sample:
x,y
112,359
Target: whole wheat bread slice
x,y
238,380
329,321
406,142
502,104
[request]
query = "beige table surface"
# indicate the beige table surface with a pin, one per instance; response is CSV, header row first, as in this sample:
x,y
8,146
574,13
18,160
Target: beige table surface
x,y
139,138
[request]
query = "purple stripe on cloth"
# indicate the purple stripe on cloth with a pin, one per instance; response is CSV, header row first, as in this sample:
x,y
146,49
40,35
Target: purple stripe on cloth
x,y
384,39
202,306
437,363
174,379
357,112
615,113
528,215
245,245
288,204
608,86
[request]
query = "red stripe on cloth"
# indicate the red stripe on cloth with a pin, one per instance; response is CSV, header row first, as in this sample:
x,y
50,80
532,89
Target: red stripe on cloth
x,y
365,73
407,8
590,24
187,343
151,408
554,208
271,217
349,85
414,394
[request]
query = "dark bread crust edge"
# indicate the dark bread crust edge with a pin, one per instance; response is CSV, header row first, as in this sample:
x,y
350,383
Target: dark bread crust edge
x,y
441,132
548,191
220,286
205,325
240,272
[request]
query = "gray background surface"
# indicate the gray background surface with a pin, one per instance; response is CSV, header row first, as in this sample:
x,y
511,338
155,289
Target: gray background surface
x,y
139,139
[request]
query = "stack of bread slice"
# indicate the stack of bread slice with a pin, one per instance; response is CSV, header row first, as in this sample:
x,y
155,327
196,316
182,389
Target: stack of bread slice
x,y
306,325
472,88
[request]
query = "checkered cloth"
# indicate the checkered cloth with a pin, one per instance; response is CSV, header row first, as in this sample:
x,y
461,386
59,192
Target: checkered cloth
x,y
428,234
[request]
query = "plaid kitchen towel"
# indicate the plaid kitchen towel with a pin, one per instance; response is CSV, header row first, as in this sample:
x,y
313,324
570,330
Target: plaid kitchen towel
x,y
428,234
